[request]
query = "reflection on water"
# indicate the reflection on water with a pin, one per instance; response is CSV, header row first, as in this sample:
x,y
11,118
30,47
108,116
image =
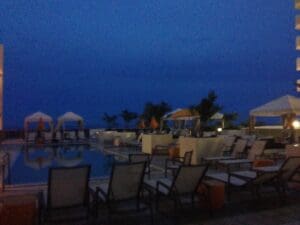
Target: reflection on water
x,y
38,159
31,164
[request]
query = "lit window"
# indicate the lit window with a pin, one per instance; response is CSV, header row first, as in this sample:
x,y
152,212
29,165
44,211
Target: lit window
x,y
298,42
298,85
297,25
298,64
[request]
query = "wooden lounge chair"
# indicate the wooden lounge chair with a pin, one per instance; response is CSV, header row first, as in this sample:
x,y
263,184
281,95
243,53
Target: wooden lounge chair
x,y
175,163
123,193
68,194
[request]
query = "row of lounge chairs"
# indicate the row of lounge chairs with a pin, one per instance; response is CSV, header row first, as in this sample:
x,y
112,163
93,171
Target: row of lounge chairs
x,y
128,190
56,137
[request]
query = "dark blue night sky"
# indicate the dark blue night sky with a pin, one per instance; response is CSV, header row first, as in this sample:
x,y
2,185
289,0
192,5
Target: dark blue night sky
x,y
100,56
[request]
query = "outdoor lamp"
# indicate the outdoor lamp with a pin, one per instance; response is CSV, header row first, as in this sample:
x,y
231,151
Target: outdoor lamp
x,y
219,129
296,124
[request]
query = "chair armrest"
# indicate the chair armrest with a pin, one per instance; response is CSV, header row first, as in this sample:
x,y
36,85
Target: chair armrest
x,y
178,159
240,177
159,183
98,192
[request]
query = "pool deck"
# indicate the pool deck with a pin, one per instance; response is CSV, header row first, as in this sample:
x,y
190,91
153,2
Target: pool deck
x,y
241,210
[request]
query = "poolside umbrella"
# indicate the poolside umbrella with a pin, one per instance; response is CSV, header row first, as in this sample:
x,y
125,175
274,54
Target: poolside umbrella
x,y
181,114
69,117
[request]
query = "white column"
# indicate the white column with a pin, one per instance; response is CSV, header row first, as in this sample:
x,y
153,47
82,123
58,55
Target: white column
x,y
1,85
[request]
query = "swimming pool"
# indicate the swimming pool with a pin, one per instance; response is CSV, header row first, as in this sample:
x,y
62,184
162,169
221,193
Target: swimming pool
x,y
30,164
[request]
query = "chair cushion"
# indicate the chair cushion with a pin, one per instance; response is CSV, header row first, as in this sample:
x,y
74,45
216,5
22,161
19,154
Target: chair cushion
x,y
246,174
153,182
104,188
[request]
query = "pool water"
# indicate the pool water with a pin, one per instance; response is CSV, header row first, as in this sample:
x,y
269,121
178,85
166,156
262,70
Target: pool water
x,y
31,164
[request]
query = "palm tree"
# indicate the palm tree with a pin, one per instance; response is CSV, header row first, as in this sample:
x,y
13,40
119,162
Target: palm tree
x,y
110,120
128,117
207,108
155,110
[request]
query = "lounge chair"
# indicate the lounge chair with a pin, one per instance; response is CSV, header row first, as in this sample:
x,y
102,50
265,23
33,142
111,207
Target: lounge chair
x,y
69,136
81,135
31,137
228,143
58,136
278,176
185,183
123,193
255,152
237,152
175,163
141,157
48,136
68,194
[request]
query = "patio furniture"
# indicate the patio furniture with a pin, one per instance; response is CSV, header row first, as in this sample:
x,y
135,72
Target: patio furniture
x,y
31,137
237,151
175,163
184,184
48,136
278,176
141,157
68,194
123,193
229,142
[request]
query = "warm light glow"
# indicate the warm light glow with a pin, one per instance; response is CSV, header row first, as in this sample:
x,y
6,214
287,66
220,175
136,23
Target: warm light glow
x,y
297,4
1,60
298,85
296,124
297,25
298,43
219,129
298,64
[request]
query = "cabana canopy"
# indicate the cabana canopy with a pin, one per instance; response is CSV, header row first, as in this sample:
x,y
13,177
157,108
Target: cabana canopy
x,y
181,114
69,117
285,105
36,118
217,116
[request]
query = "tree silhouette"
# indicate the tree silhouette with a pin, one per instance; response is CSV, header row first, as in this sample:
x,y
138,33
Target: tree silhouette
x,y
229,119
155,110
128,117
207,108
111,121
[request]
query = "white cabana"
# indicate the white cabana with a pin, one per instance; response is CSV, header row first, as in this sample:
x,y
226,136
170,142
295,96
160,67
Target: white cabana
x,y
282,106
37,118
286,106
69,117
